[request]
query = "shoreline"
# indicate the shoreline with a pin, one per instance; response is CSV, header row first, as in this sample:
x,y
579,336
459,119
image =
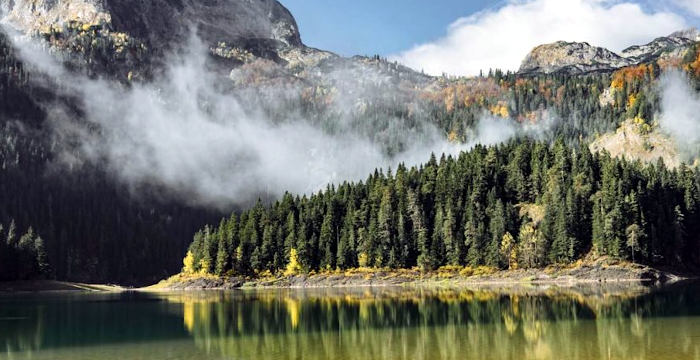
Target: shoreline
x,y
598,274
582,275
54,286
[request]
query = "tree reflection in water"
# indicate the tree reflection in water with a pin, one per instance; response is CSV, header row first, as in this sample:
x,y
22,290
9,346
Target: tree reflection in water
x,y
383,323
443,324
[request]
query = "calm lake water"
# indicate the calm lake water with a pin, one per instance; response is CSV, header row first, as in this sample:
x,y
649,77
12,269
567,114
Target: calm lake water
x,y
355,324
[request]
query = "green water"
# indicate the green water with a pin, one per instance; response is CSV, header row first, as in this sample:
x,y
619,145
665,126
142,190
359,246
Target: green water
x,y
356,324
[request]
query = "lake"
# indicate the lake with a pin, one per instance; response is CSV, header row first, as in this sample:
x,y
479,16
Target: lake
x,y
356,323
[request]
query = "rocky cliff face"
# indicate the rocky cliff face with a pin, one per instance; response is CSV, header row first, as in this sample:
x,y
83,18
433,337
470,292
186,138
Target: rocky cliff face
x,y
656,48
571,57
136,31
578,58
255,43
162,22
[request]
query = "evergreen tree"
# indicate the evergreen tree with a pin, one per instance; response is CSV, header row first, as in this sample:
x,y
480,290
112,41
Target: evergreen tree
x,y
589,202
497,229
328,239
222,258
386,232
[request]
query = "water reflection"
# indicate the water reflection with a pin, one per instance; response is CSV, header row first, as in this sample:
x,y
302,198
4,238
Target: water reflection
x,y
361,324
439,324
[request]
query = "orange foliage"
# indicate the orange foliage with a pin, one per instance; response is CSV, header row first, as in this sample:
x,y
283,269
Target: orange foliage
x,y
629,74
694,67
468,92
452,136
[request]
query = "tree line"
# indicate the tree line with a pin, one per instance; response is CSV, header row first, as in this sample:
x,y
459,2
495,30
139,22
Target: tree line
x,y
521,204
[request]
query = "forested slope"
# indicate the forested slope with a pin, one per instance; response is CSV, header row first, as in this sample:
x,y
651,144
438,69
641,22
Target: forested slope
x,y
83,222
91,227
523,204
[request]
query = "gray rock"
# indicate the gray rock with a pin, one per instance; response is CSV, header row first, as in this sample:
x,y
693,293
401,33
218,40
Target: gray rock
x,y
579,58
655,49
571,57
162,23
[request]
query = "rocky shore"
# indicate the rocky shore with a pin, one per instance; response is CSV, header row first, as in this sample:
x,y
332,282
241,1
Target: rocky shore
x,y
600,272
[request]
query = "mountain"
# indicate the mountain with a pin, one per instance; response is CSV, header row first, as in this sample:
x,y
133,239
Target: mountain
x,y
262,25
96,224
571,58
227,95
581,57
139,33
674,45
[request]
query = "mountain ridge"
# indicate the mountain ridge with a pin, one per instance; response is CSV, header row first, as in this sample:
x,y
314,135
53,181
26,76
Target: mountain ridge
x,y
582,57
140,36
241,31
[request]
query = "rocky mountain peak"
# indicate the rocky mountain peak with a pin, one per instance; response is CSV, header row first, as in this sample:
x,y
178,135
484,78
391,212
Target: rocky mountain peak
x,y
161,20
42,15
672,44
234,29
581,57
572,57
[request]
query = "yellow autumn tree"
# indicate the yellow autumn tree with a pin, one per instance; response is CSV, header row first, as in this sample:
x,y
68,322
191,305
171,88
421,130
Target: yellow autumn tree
x,y
188,263
500,110
204,267
293,267
363,260
631,100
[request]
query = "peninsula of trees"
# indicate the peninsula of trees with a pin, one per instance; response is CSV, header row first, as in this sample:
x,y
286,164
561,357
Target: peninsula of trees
x,y
517,205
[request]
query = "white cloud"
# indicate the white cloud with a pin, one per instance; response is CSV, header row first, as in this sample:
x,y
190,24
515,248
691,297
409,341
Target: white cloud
x,y
501,37
187,133
691,5
680,106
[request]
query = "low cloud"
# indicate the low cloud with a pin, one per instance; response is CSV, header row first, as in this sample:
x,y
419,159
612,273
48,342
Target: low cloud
x,y
680,109
184,133
502,37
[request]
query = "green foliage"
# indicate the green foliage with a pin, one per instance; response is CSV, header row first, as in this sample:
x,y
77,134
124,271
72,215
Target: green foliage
x,y
445,212
24,257
587,202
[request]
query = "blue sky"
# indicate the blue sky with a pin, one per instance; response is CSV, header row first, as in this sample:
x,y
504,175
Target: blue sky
x,y
370,27
419,32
